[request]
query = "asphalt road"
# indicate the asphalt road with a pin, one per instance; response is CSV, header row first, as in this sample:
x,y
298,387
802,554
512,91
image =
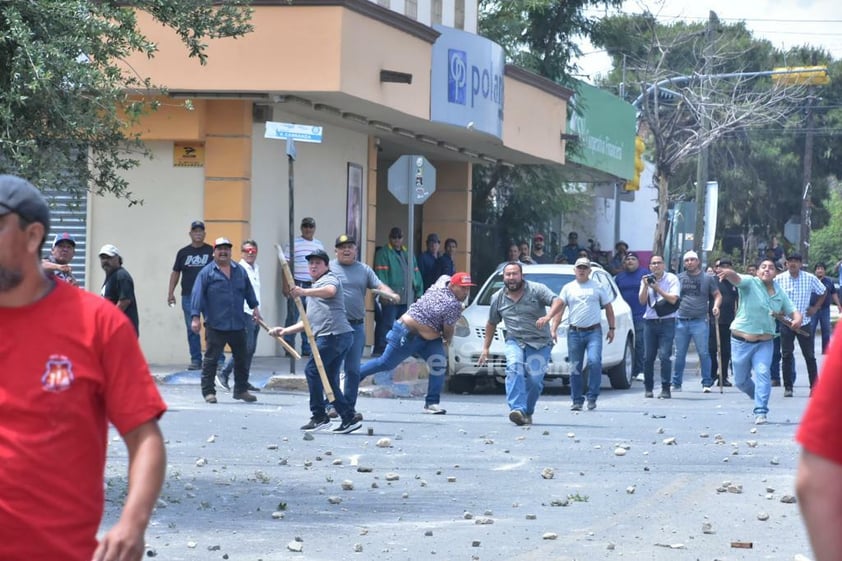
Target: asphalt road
x,y
470,485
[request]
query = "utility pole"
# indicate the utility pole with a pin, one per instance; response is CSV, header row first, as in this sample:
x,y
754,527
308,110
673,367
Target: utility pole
x,y
807,178
704,126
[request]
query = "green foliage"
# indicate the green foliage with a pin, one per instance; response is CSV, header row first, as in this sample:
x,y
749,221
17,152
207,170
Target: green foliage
x,y
826,242
65,87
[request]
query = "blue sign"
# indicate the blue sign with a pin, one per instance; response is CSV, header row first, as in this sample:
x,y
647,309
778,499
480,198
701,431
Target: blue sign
x,y
467,81
292,131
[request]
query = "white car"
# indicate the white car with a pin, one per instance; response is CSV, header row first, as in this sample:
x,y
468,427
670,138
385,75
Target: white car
x,y
469,333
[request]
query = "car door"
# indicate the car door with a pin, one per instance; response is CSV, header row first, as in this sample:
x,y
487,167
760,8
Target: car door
x,y
612,352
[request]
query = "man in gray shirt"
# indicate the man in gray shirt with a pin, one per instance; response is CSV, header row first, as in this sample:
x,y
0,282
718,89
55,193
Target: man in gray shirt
x,y
356,278
333,334
697,288
522,304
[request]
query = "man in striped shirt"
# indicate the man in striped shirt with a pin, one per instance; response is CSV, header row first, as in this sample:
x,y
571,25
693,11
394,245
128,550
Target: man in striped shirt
x,y
799,285
304,245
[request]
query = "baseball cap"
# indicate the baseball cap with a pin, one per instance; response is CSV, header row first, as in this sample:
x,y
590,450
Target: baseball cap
x,y
691,255
222,241
63,237
794,257
23,198
632,255
395,233
319,254
461,279
344,239
433,238
197,224
539,237
583,261
109,250
308,221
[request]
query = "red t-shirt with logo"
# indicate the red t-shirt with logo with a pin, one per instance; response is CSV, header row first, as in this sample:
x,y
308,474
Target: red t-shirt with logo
x,y
819,431
69,364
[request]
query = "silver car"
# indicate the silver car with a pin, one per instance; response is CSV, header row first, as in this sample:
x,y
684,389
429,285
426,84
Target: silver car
x,y
469,333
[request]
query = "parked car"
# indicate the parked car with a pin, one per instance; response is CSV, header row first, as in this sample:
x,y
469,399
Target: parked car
x,y
469,333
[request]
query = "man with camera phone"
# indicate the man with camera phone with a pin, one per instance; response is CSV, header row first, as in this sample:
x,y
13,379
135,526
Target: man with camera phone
x,y
659,291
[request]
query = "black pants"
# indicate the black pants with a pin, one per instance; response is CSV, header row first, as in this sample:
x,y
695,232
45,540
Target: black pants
x,y
724,348
807,345
216,341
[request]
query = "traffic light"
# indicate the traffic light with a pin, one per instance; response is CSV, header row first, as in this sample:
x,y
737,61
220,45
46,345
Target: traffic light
x,y
633,184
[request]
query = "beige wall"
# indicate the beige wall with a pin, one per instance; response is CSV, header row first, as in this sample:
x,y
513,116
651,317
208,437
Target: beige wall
x,y
534,121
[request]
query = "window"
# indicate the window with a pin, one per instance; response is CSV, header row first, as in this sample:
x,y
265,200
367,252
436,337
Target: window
x,y
459,18
411,9
436,11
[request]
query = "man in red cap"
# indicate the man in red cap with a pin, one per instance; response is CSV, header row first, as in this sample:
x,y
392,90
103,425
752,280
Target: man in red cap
x,y
424,330
538,254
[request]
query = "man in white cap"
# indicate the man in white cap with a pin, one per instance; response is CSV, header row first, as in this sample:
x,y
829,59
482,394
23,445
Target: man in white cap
x,y
222,287
696,289
118,285
586,299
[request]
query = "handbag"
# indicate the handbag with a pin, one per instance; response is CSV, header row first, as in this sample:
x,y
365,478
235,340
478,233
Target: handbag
x,y
663,307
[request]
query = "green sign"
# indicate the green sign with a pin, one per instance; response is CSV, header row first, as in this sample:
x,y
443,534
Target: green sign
x,y
606,128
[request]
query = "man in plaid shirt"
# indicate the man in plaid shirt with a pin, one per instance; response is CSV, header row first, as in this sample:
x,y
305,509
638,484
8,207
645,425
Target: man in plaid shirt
x,y
799,285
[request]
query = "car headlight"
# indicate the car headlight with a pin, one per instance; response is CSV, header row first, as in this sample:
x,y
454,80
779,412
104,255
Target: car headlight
x,y
461,329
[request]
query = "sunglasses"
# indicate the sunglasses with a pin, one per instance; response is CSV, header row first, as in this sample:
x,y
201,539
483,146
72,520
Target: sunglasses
x,y
250,250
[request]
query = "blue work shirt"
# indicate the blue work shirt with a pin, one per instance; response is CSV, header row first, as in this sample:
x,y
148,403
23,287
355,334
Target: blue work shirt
x,y
629,285
220,299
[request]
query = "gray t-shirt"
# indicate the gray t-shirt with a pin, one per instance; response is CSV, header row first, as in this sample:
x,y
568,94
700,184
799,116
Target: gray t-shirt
x,y
520,316
585,301
695,290
327,315
356,278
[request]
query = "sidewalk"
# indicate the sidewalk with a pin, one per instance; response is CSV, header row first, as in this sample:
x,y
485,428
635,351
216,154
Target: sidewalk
x,y
273,373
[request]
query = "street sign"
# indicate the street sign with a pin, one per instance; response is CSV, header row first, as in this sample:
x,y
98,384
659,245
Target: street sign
x,y
292,131
412,179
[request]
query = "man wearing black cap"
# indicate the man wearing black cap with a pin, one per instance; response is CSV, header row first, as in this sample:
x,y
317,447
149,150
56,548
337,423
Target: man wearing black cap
x,y
572,249
305,244
428,261
75,367
222,288
333,334
189,260
392,263
356,278
58,262
538,254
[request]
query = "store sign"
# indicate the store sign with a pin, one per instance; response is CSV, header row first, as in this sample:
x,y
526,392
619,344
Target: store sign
x,y
467,81
188,154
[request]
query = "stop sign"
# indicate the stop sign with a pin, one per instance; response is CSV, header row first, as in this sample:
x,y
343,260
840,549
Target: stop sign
x,y
412,179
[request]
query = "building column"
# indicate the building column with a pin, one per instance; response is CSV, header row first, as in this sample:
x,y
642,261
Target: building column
x,y
228,145
448,211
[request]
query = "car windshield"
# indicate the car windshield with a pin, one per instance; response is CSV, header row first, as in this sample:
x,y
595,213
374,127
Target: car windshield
x,y
553,281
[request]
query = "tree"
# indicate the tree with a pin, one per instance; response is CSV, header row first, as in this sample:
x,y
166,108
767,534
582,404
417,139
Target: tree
x,y
538,35
694,90
66,94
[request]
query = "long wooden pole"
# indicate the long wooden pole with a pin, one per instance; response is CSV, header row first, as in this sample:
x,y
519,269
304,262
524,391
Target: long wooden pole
x,y
314,349
289,348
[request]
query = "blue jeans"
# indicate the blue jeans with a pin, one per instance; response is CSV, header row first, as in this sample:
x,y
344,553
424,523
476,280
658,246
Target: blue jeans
x,y
352,365
699,331
658,335
822,317
251,329
332,349
639,347
194,343
756,357
400,345
389,314
525,370
578,344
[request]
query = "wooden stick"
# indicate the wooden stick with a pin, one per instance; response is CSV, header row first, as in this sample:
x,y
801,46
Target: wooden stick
x,y
719,355
291,350
787,322
309,330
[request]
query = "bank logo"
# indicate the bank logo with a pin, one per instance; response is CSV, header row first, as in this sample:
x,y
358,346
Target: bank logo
x,y
457,76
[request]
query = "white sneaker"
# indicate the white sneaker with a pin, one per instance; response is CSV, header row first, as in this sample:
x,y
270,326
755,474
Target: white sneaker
x,y
434,409
640,377
760,420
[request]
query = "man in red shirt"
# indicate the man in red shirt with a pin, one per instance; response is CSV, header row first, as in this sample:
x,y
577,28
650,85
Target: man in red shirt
x,y
70,365
819,481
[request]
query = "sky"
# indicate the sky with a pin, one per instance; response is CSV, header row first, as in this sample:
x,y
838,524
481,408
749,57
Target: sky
x,y
785,23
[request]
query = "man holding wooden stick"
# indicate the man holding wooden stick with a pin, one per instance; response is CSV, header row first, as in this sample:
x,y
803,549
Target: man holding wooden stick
x,y
333,336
